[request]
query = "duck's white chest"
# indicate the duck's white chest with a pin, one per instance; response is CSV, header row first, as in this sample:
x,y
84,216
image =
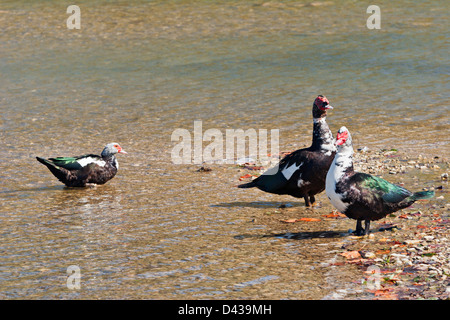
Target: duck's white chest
x,y
335,173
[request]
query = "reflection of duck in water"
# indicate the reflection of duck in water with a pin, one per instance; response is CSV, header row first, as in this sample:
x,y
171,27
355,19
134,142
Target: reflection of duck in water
x,y
81,170
302,173
361,196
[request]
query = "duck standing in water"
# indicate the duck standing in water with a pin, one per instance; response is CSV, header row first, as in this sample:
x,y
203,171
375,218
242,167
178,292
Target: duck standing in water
x,y
88,169
302,173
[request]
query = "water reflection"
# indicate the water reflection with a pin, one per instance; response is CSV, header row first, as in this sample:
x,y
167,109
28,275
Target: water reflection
x,y
134,74
259,204
297,235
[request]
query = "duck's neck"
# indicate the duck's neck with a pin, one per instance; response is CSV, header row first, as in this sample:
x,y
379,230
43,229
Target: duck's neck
x,y
112,160
343,164
322,136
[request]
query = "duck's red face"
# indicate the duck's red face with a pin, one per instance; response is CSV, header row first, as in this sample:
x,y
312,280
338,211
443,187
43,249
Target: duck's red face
x,y
119,149
322,103
341,137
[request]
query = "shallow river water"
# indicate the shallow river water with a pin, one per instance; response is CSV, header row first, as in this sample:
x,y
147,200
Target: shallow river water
x,y
138,70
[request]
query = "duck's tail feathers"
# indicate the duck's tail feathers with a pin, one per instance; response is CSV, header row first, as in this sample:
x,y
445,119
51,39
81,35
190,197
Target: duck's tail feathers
x,y
62,174
421,195
45,161
250,184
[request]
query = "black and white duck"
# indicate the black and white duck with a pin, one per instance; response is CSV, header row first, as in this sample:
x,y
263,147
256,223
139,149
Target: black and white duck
x,y
361,196
302,173
88,169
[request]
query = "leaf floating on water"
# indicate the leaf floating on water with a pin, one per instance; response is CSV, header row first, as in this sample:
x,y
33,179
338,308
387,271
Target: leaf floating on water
x,y
289,220
309,219
301,219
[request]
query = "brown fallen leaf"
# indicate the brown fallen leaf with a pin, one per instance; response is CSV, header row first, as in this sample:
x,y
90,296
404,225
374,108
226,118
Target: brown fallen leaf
x,y
309,219
289,220
254,167
357,261
301,219
351,254
336,215
386,294
248,175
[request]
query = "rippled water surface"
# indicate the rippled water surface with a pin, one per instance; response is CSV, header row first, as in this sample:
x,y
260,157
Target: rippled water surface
x,y
138,70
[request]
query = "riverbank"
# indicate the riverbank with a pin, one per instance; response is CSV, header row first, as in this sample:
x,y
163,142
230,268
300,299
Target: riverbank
x,y
406,255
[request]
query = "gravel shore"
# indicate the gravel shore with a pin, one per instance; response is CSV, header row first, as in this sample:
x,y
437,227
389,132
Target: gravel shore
x,y
407,254
408,257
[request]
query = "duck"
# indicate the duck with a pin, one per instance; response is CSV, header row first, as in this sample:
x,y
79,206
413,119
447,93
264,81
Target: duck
x,y
84,170
361,196
302,173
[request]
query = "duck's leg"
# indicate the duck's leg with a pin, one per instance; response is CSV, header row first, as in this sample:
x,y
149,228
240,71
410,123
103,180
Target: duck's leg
x,y
307,203
359,229
312,199
366,227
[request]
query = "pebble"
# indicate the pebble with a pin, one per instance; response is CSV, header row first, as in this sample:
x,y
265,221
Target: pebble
x,y
433,270
368,254
363,149
427,252
412,241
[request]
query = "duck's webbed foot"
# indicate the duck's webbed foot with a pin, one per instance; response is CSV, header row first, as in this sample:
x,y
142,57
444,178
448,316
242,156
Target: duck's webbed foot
x,y
309,202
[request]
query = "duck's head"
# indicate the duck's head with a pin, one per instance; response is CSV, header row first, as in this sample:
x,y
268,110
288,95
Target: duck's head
x,y
320,107
111,149
343,139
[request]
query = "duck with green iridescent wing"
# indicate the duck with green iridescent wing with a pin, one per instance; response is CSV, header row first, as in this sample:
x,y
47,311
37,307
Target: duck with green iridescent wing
x,y
88,169
361,196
